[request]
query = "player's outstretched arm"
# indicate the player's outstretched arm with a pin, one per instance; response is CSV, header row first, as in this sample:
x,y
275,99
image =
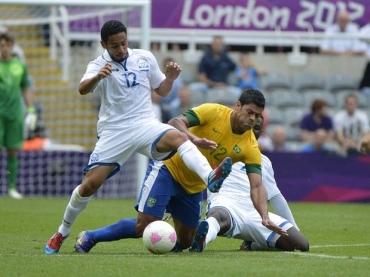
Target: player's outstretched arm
x,y
181,123
89,85
259,199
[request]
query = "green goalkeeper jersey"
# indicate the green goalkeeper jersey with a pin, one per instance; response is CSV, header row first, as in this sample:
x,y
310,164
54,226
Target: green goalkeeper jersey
x,y
13,78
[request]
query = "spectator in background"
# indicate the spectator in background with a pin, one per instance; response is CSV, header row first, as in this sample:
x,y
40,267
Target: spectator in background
x,y
247,73
171,102
343,46
214,67
318,118
175,47
278,139
351,125
14,83
185,101
318,143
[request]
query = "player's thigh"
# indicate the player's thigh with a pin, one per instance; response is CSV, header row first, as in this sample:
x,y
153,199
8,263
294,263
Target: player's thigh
x,y
254,230
186,210
158,140
113,148
12,133
156,190
170,141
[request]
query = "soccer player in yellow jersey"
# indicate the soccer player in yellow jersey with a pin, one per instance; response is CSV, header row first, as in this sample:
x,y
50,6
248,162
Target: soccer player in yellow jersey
x,y
169,186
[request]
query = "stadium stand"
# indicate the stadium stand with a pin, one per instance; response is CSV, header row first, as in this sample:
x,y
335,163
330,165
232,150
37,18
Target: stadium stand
x,y
71,119
337,82
302,81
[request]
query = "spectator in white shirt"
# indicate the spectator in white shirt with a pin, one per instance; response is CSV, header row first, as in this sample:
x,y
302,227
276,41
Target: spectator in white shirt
x,y
345,45
351,125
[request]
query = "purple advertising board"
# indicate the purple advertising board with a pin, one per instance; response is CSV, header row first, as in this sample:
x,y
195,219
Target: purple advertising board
x,y
257,15
300,177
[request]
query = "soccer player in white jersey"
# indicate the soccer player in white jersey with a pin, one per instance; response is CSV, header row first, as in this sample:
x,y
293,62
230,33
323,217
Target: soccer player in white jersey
x,y
230,213
123,78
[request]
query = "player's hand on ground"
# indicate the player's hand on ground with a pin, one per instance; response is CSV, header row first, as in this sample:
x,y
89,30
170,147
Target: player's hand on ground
x,y
105,71
273,227
205,143
172,71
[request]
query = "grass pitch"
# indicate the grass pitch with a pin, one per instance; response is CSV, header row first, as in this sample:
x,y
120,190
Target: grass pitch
x,y
338,236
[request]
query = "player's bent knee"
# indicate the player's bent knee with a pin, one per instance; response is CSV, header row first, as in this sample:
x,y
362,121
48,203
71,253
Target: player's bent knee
x,y
304,246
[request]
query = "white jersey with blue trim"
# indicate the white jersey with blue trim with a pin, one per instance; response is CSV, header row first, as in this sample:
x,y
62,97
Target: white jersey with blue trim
x,y
237,186
126,94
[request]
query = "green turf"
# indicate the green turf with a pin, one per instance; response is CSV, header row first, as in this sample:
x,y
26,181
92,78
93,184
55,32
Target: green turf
x,y
338,235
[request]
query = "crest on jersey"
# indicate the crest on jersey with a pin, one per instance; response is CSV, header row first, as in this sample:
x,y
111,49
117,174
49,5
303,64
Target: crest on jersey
x,y
151,202
237,149
143,64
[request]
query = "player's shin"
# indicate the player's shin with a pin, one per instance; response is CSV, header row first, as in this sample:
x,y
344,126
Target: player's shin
x,y
194,160
123,229
75,206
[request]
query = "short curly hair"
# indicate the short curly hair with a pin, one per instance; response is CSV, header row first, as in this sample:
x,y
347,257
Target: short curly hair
x,y
110,28
252,96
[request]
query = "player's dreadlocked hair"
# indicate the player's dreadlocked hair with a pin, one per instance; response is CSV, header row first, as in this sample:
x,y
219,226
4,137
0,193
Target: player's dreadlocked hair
x,y
110,28
252,96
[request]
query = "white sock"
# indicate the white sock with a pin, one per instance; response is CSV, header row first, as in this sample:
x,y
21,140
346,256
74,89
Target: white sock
x,y
75,206
213,229
195,160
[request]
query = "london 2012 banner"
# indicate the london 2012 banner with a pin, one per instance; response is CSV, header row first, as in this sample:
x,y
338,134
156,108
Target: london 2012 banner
x,y
263,15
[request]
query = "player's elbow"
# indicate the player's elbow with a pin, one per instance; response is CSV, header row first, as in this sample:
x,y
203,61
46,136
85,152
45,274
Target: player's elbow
x,y
82,90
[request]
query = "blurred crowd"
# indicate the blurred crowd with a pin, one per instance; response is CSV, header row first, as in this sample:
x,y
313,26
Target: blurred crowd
x,y
328,116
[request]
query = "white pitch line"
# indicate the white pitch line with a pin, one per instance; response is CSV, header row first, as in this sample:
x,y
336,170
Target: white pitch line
x,y
327,256
340,245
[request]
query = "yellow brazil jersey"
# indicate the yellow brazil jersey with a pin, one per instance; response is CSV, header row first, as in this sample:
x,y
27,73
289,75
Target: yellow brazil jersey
x,y
215,125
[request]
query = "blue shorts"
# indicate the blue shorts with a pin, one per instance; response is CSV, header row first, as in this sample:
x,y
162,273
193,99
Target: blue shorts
x,y
160,193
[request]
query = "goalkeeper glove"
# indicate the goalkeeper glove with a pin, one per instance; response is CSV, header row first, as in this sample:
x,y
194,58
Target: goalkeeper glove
x,y
31,119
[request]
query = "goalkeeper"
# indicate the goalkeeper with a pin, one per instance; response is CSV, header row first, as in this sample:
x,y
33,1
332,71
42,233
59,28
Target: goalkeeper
x,y
14,81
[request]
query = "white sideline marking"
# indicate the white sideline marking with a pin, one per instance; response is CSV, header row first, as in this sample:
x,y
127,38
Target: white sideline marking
x,y
340,245
327,256
331,256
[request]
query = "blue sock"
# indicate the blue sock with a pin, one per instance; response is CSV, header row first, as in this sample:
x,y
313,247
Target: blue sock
x,y
123,229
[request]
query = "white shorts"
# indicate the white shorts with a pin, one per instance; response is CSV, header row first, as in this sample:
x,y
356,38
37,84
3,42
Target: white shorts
x,y
246,222
115,147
